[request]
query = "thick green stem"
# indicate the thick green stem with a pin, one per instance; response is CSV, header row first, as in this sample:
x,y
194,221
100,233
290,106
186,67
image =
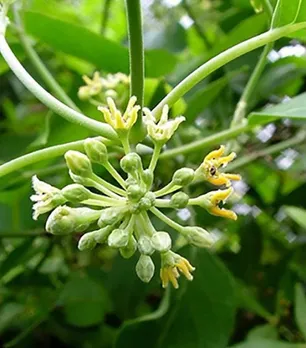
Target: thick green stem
x,y
171,187
223,58
47,99
162,203
202,143
108,188
242,161
40,155
113,172
39,65
154,158
134,19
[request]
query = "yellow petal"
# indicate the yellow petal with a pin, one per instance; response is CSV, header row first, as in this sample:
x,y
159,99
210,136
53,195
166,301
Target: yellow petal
x,y
227,159
221,195
164,277
220,180
235,177
215,154
172,277
223,213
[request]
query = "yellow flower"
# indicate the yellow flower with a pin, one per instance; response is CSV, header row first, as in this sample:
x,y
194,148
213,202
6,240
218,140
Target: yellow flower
x,y
115,118
163,129
92,88
172,264
211,164
211,201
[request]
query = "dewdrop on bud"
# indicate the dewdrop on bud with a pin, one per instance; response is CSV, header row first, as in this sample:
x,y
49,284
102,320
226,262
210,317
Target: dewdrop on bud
x,y
129,250
198,237
96,150
183,176
145,246
179,200
161,241
87,242
78,163
131,163
76,193
145,268
118,238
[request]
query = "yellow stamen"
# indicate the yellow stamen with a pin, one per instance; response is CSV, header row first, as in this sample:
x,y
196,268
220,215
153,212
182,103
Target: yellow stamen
x,y
172,275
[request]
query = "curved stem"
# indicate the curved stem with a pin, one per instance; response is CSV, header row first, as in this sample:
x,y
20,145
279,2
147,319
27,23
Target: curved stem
x,y
47,99
109,188
223,58
39,65
171,187
166,220
40,155
113,172
136,60
154,158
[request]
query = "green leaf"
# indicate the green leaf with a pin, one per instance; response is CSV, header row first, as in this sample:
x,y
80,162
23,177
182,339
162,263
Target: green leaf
x,y
268,344
298,215
8,313
80,42
84,301
266,331
300,308
293,109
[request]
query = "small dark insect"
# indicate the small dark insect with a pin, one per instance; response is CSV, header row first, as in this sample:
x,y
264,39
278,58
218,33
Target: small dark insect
x,y
212,170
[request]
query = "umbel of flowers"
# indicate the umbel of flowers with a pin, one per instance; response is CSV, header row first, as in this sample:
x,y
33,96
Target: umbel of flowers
x,y
119,215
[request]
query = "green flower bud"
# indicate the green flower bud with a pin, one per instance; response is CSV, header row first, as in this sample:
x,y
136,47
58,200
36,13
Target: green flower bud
x,y
76,193
102,234
161,241
179,200
118,238
183,176
135,192
130,181
78,163
96,150
111,216
198,237
147,201
147,177
65,220
145,246
145,268
87,241
131,163
129,250
81,180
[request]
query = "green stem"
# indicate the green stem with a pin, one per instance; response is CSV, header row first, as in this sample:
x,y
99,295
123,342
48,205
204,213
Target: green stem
x,y
171,187
40,155
208,141
146,223
134,19
166,220
125,143
154,158
162,203
196,24
267,8
242,161
101,203
39,65
105,15
46,98
109,187
223,58
113,172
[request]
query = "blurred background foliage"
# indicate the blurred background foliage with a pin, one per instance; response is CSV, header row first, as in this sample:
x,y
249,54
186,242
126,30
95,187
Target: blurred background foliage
x,y
249,291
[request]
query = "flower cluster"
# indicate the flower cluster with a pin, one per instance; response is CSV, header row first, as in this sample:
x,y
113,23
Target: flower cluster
x,y
119,215
98,89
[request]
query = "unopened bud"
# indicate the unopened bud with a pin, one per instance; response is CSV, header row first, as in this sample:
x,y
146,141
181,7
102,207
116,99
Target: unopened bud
x,y
102,234
76,193
135,192
183,176
65,220
87,241
147,201
179,200
198,237
145,268
118,238
145,246
78,163
147,177
161,241
110,216
129,250
131,163
96,150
